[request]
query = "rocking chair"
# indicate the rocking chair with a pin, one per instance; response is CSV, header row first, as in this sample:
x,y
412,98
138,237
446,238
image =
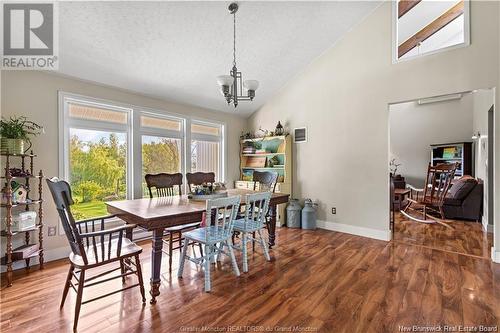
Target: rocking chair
x,y
430,199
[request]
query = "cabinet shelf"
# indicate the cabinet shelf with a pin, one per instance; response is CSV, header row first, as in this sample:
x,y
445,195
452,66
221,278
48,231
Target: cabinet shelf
x,y
4,233
22,177
264,154
18,155
17,204
3,260
270,168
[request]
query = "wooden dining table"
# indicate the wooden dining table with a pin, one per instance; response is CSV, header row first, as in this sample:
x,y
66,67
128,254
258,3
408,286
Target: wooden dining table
x,y
156,214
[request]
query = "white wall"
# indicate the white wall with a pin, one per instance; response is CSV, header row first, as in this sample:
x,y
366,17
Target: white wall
x,y
343,97
34,94
414,127
482,102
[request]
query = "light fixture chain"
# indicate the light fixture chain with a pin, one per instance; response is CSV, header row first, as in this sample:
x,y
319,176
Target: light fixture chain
x,y
234,39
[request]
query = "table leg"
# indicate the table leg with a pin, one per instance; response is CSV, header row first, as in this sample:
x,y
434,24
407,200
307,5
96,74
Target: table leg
x,y
271,226
156,252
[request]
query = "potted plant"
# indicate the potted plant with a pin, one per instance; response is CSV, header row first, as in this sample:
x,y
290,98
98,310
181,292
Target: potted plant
x,y
15,134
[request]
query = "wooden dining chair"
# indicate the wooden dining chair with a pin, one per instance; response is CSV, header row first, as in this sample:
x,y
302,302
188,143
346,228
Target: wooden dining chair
x,y
215,236
199,178
93,246
266,181
254,221
430,199
167,185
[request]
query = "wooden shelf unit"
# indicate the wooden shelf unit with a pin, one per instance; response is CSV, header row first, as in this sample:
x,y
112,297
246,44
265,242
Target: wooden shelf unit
x,y
462,154
10,206
279,146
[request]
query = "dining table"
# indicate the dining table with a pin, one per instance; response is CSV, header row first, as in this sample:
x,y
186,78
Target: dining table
x,y
156,214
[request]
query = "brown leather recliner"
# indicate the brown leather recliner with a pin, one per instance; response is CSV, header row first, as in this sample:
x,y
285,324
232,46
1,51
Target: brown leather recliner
x,y
464,200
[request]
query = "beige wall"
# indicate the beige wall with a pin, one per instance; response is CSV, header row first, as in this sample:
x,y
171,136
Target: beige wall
x,y
414,127
343,96
34,94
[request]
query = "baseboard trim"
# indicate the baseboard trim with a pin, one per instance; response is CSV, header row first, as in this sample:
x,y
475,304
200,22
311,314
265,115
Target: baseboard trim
x,y
486,227
495,255
355,230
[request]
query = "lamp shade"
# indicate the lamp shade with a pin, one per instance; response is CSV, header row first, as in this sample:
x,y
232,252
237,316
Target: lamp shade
x,y
225,80
251,84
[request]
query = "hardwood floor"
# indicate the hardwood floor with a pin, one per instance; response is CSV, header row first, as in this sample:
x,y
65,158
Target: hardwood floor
x,y
464,237
317,281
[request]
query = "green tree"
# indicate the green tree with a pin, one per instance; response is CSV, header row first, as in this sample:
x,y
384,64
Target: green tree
x,y
88,190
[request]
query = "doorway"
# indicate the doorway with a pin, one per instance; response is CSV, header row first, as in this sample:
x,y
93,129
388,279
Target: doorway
x,y
455,129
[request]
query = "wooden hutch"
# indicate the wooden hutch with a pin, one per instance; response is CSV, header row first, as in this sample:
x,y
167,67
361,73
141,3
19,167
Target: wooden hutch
x,y
272,153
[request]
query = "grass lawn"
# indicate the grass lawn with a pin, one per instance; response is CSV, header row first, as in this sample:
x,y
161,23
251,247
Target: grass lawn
x,y
89,209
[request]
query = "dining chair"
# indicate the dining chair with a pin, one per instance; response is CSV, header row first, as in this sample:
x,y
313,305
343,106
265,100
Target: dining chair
x,y
215,236
198,178
168,185
93,246
266,181
253,222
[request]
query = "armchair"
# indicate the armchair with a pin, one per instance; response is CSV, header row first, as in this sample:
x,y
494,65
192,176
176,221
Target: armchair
x,y
93,246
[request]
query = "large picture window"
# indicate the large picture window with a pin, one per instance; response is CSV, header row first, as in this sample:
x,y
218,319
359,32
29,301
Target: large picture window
x,y
107,148
161,145
96,158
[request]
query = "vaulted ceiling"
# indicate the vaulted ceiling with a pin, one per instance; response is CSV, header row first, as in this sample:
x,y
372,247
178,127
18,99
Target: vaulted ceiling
x,y
175,50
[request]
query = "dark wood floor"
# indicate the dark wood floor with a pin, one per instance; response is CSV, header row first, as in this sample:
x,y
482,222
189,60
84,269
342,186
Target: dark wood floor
x,y
318,281
464,237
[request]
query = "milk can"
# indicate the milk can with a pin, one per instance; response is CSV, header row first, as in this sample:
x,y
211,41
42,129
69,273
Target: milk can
x,y
309,215
293,214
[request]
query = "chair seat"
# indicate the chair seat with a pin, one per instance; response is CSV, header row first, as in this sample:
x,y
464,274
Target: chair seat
x,y
183,226
250,226
207,235
128,248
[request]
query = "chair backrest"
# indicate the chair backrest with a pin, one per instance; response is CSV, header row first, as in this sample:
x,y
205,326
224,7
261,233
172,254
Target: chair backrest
x,y
61,192
438,182
164,184
257,206
267,180
198,178
223,213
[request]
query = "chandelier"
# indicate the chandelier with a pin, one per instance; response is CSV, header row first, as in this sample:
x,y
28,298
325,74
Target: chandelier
x,y
232,85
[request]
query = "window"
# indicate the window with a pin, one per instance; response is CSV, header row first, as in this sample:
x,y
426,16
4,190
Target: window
x,y
107,148
206,143
96,157
161,145
426,27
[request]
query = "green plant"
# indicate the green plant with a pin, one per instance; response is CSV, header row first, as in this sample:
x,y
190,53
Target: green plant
x,y
19,128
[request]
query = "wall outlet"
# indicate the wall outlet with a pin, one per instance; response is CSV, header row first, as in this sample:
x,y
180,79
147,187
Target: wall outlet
x,y
334,210
51,231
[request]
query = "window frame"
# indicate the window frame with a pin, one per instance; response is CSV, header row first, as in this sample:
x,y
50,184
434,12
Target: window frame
x,y
168,134
134,132
66,123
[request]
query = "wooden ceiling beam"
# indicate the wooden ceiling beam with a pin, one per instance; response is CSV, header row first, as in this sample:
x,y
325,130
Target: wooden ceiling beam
x,y
431,29
404,6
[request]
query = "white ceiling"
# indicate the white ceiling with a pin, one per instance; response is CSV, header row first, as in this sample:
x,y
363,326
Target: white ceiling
x,y
175,50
